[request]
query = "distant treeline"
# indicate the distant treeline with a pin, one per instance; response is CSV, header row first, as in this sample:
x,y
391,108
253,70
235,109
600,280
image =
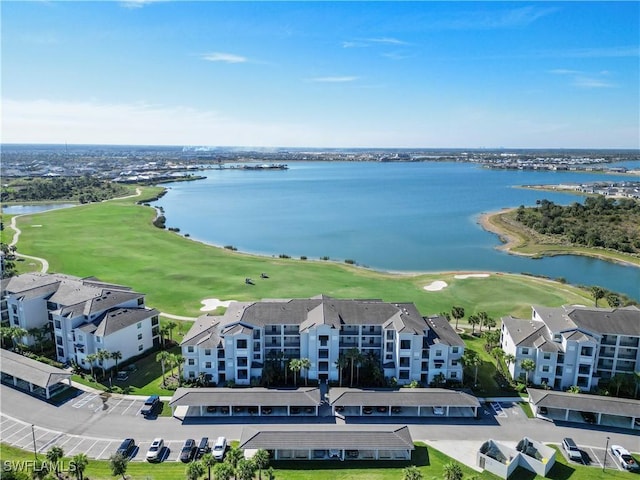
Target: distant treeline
x,y
599,222
83,189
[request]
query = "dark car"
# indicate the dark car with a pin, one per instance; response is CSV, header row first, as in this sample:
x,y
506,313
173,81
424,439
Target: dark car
x,y
203,447
367,410
150,405
588,417
127,447
188,450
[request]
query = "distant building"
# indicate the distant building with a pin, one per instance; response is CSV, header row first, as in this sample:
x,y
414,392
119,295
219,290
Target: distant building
x,y
85,315
234,347
574,345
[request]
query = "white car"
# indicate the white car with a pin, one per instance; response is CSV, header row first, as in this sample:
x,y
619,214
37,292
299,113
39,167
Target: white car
x,y
624,457
219,448
438,410
155,450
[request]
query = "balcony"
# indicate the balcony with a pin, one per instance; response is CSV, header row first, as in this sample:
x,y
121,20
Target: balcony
x,y
629,342
292,342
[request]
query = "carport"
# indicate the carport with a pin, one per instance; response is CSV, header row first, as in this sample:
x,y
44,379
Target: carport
x,y
330,442
225,402
610,411
27,374
412,402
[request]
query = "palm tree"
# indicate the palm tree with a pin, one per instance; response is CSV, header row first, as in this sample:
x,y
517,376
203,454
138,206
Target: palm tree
x,y
223,471
38,336
17,333
171,325
617,382
80,462
102,356
509,358
163,357
54,455
164,332
5,334
233,456
360,358
341,364
457,313
473,321
452,471
245,469
208,461
352,355
91,358
470,358
497,353
483,318
305,364
295,366
194,471
597,293
261,459
411,473
118,464
528,366
117,355
489,323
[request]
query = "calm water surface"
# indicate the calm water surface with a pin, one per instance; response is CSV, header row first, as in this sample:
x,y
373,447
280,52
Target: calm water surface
x,y
41,207
389,216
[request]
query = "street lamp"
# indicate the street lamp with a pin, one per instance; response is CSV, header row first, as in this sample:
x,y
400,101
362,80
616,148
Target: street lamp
x,y
33,434
606,449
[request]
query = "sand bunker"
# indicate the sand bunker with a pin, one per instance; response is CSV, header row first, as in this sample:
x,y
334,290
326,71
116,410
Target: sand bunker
x,y
213,303
471,275
435,286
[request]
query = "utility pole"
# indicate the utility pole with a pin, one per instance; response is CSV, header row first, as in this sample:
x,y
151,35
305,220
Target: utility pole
x,y
606,451
33,434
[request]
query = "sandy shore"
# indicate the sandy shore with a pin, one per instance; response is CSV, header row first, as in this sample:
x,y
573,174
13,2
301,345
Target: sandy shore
x,y
508,239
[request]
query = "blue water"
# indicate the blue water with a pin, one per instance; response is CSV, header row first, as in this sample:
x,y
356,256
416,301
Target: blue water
x,y
388,216
41,207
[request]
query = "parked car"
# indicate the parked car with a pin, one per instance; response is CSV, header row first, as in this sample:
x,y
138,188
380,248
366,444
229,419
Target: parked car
x,y
396,409
127,447
572,449
203,447
155,450
543,410
382,409
150,405
219,448
267,410
625,458
335,453
188,451
588,417
438,410
367,410
211,409
352,453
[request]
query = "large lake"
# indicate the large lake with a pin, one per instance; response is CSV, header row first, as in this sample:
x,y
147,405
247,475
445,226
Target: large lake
x,y
387,216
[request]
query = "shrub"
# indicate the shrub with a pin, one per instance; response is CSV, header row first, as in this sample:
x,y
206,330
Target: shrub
x,y
303,257
350,261
324,258
230,247
284,255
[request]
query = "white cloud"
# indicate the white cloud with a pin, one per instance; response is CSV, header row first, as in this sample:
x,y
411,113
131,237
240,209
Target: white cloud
x,y
223,57
591,82
333,79
388,41
585,80
138,3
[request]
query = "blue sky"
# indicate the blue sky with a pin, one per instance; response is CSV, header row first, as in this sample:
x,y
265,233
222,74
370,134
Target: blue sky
x,y
322,74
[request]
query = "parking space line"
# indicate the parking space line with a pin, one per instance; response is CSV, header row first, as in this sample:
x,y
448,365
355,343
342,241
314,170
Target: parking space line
x,y
45,445
104,450
15,433
83,401
66,439
133,402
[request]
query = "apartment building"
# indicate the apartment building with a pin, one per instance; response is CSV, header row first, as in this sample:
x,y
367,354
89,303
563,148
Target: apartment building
x,y
573,345
84,315
235,346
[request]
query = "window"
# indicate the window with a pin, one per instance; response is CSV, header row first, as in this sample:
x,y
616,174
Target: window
x,y
191,362
140,301
454,349
557,338
140,348
438,353
139,336
61,352
256,334
80,338
545,368
242,361
207,365
190,349
192,374
453,375
405,344
139,325
221,365
59,341
241,343
57,324
323,366
454,363
207,351
405,361
525,351
242,375
546,356
404,375
98,339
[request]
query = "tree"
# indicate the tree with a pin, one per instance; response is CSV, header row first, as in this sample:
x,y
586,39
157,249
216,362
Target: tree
x,y
305,364
245,469
79,462
164,333
352,355
208,461
91,358
171,325
54,455
489,323
163,357
509,358
223,471
38,337
194,471
411,473
261,460
360,358
597,293
528,366
492,338
452,471
497,353
573,389
118,464
341,364
473,321
617,382
613,299
102,356
5,334
295,366
117,355
470,358
16,333
457,313
482,316
233,456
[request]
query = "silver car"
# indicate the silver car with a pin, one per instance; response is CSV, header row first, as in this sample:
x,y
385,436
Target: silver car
x,y
155,450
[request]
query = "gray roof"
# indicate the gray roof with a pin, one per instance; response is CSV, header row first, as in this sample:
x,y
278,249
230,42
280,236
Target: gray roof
x,y
202,333
343,437
530,333
121,318
31,285
442,332
403,397
584,402
615,321
257,396
32,371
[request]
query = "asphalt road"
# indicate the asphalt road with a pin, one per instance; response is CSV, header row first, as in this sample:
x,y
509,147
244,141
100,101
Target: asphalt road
x,y
96,424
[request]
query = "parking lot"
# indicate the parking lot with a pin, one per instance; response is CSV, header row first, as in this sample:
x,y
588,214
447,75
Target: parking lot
x,y
95,403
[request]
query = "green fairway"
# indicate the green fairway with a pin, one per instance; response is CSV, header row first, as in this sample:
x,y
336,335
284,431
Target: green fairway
x,y
116,242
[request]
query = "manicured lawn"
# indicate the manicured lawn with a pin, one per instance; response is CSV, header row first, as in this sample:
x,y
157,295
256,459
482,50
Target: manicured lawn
x,y
116,242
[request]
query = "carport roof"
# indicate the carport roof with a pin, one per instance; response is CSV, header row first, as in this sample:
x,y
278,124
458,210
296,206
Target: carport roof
x,y
32,371
343,437
404,397
265,397
624,407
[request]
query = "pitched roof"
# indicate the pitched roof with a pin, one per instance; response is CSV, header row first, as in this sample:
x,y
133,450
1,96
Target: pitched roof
x,y
31,285
585,402
441,331
32,371
616,321
202,333
403,397
529,333
255,396
120,318
343,437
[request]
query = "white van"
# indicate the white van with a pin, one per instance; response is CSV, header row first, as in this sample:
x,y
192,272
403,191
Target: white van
x,y
219,448
572,449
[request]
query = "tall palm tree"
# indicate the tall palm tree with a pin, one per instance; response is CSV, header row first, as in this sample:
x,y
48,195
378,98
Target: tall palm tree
x,y
233,456
164,333
352,355
528,366
5,334
163,357
245,469
54,455
597,293
103,355
509,358
171,325
117,355
194,471
261,459
295,366
483,316
457,313
80,462
489,323
470,358
341,364
208,461
38,336
360,358
617,382
91,358
305,365
17,333
473,321
223,471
